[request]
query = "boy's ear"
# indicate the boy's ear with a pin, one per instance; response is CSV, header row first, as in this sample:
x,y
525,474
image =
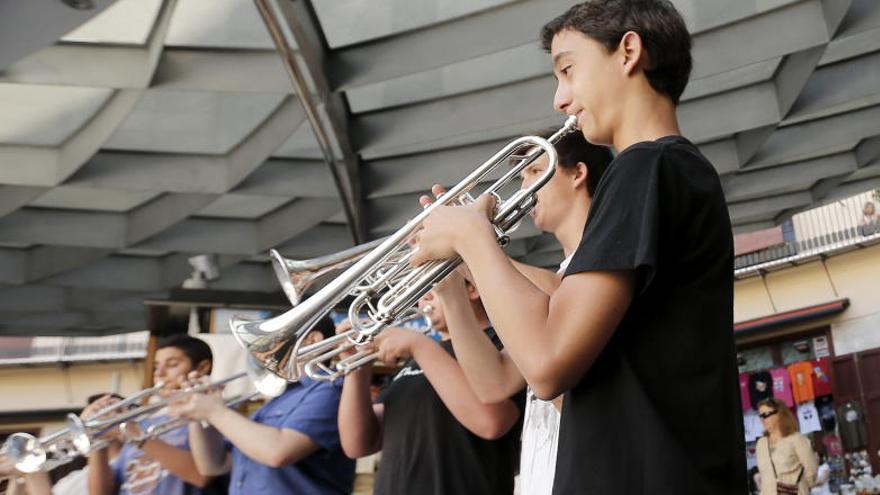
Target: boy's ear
x,y
580,174
204,367
632,51
472,292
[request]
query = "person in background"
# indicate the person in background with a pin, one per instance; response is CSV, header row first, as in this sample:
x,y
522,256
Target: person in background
x,y
870,222
76,482
156,466
785,458
822,485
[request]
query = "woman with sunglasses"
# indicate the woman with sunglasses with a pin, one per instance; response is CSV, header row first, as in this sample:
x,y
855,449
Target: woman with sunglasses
x,y
785,457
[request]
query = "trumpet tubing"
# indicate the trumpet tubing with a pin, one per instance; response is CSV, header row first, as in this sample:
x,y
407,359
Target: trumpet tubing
x,y
382,281
158,429
317,355
86,434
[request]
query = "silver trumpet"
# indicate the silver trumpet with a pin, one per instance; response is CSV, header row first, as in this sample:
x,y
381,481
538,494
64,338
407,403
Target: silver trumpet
x,y
30,454
158,429
87,434
296,276
383,283
317,355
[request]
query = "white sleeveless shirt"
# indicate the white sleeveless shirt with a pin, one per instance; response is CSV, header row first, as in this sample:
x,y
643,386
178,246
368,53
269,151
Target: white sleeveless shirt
x,y
540,432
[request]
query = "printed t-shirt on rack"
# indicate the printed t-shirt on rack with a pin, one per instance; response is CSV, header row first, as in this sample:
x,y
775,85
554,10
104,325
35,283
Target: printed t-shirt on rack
x,y
802,381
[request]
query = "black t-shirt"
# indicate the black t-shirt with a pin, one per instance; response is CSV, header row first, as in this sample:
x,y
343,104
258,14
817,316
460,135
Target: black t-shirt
x,y
659,410
760,387
425,450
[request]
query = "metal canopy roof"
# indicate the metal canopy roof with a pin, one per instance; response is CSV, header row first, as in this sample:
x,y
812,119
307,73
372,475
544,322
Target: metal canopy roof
x,y
141,132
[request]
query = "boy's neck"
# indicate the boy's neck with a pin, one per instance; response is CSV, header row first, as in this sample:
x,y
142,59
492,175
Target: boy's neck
x,y
571,228
645,116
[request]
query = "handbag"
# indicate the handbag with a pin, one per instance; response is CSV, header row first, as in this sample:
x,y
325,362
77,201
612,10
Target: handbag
x,y
784,488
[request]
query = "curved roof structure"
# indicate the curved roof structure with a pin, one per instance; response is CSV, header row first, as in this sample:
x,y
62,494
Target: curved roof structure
x,y
137,133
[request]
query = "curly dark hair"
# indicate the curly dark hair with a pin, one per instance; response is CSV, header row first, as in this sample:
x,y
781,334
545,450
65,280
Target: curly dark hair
x,y
574,148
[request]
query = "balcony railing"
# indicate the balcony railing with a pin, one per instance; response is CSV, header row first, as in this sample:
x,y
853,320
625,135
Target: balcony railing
x,y
47,350
839,226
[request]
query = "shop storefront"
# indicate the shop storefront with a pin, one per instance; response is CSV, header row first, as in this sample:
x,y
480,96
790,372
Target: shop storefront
x,y
830,395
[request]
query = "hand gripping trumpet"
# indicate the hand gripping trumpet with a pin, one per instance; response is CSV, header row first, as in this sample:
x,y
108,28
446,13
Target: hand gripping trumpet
x,y
383,283
156,430
316,355
87,434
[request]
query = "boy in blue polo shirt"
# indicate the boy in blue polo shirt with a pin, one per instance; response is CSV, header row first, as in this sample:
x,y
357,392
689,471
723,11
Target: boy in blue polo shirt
x,y
290,445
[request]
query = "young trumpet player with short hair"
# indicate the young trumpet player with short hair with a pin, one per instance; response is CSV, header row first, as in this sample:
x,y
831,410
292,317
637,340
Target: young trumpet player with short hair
x,y
564,201
435,435
162,465
290,445
639,333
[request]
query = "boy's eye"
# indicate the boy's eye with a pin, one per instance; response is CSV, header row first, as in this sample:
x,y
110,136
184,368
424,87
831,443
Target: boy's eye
x,y
565,70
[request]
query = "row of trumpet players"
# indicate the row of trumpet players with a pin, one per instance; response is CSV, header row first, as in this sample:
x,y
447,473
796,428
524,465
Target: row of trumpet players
x,y
138,444
181,436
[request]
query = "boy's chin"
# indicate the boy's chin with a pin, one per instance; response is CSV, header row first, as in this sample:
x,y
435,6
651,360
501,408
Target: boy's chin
x,y
595,136
540,225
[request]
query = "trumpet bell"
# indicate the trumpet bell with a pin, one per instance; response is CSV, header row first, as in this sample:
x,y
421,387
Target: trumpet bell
x,y
294,283
266,382
296,276
25,452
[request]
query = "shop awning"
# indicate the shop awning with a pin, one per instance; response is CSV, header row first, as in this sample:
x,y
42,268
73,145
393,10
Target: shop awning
x,y
791,317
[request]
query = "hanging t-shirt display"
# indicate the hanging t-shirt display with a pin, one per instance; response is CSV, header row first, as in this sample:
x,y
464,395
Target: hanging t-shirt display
x,y
752,425
808,417
802,381
852,425
833,447
825,406
821,377
744,391
782,386
760,387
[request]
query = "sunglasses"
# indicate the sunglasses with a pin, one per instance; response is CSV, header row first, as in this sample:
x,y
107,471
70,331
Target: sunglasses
x,y
765,415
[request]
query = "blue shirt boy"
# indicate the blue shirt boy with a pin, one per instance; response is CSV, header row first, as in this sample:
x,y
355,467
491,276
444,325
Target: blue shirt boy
x,y
309,407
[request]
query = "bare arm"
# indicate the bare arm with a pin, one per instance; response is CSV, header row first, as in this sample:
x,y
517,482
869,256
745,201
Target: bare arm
x,y
552,339
209,454
808,459
543,279
274,447
37,483
268,445
360,421
489,421
100,475
491,373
